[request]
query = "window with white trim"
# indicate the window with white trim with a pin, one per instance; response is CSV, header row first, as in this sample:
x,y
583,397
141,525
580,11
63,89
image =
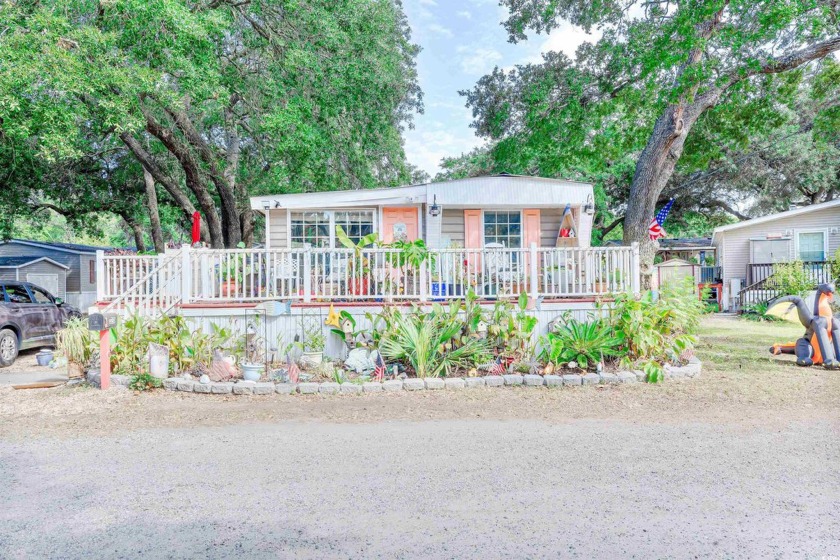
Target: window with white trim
x,y
503,227
310,229
811,246
317,229
356,223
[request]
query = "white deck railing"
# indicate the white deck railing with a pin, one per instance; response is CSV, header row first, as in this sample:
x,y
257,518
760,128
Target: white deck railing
x,y
373,275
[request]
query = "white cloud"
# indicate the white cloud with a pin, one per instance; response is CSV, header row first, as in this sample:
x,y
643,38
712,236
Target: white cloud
x,y
427,148
478,60
566,38
465,14
439,29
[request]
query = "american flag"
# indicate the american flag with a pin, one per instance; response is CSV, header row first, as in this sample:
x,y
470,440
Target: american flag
x,y
379,368
655,229
497,368
293,369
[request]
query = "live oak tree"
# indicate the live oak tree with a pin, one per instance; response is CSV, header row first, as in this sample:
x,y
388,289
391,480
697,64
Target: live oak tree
x,y
629,102
214,100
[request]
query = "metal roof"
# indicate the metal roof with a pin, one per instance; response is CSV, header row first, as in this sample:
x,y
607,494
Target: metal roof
x,y
489,191
778,215
18,262
65,247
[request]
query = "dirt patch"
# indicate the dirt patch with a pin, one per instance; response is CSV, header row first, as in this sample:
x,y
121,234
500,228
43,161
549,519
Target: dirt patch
x,y
741,383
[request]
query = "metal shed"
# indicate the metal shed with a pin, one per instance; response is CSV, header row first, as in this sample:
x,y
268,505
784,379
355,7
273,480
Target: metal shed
x,y
41,271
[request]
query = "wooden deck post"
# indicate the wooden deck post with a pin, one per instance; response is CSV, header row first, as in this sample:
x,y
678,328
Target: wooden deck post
x,y
307,275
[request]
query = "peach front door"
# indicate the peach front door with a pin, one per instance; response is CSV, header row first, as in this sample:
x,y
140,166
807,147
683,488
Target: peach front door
x,y
400,222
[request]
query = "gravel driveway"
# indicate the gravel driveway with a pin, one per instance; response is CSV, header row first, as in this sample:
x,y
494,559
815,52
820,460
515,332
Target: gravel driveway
x,y
456,489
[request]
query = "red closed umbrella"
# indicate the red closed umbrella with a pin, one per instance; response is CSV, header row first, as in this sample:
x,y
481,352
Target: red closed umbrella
x,y
196,228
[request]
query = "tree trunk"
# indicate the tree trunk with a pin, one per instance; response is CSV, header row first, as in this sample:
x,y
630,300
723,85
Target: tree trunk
x,y
154,214
175,191
137,230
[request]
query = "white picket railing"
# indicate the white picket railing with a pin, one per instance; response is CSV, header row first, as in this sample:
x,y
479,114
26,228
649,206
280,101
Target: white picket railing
x,y
156,292
373,275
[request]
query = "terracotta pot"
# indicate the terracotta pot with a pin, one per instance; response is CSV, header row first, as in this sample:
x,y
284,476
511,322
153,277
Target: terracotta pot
x,y
229,288
358,286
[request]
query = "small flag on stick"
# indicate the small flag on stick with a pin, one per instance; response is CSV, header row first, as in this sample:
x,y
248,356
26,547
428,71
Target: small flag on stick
x,y
655,229
497,368
379,368
294,370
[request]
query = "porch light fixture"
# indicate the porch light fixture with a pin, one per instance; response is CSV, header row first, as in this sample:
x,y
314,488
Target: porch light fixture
x,y
434,209
266,204
589,205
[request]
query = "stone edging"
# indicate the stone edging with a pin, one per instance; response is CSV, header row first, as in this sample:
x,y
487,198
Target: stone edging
x,y
691,370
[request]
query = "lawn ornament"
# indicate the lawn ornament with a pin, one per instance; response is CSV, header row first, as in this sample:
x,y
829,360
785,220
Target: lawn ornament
x,y
821,343
332,318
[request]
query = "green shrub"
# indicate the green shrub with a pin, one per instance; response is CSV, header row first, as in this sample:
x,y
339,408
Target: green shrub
x,y
657,328
791,279
431,343
144,382
586,343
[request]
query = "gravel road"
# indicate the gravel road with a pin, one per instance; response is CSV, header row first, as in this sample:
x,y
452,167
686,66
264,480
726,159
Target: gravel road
x,y
433,489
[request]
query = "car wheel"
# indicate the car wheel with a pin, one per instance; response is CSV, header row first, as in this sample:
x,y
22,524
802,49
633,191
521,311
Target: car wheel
x,y
8,347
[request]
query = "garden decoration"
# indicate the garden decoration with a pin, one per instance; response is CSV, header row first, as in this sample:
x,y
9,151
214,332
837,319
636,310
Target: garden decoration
x,y
821,341
292,369
332,319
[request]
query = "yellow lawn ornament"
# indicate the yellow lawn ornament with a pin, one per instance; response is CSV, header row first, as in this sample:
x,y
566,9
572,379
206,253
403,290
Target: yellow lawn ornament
x,y
332,318
784,310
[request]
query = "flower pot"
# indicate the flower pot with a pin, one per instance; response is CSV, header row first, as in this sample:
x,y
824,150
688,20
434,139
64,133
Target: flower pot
x,y
358,286
229,288
44,357
75,370
313,358
252,372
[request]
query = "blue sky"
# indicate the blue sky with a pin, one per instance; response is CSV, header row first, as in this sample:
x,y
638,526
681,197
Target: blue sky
x,y
462,40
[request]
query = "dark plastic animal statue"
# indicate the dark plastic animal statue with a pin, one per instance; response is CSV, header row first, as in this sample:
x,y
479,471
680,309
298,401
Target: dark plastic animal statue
x,y
821,342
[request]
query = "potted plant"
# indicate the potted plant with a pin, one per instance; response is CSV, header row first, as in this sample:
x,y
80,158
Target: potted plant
x,y
359,282
77,344
232,272
313,341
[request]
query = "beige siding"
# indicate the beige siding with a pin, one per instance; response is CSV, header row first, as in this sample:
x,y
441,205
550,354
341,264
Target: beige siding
x,y
452,226
735,255
279,233
550,219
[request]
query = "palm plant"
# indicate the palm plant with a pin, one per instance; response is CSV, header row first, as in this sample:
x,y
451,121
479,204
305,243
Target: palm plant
x,y
582,342
431,344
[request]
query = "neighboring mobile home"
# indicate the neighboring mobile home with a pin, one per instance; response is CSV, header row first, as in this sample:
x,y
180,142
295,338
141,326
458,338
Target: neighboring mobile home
x,y
79,260
747,251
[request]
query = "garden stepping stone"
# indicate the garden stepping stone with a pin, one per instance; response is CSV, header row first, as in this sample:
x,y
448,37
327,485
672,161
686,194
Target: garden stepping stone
x,y
474,381
307,388
553,380
392,385
414,384
533,380
186,386
494,381
591,379
627,376
263,388
572,379
329,388
285,388
609,378
244,388
221,388
512,379
372,387
350,388
434,383
455,383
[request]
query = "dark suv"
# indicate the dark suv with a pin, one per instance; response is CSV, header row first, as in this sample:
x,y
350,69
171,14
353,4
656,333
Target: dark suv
x,y
29,316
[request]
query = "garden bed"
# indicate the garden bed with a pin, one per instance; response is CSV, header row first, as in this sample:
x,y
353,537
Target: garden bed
x,y
190,385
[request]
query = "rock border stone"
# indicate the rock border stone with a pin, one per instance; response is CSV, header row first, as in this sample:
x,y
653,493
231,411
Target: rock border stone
x,y
550,382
